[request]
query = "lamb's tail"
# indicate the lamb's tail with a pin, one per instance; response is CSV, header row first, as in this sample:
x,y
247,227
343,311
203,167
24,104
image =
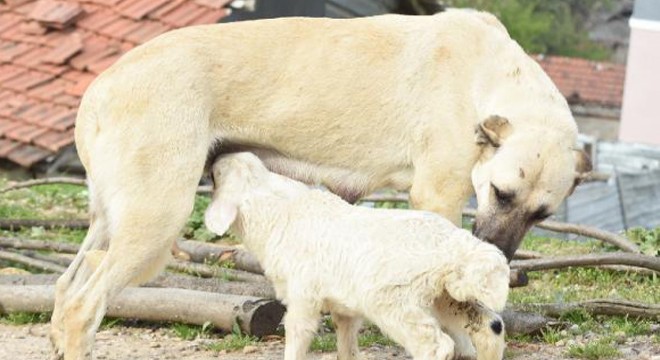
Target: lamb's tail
x,y
480,273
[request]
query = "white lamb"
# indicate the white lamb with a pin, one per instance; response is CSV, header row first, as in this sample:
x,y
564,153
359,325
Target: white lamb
x,y
427,284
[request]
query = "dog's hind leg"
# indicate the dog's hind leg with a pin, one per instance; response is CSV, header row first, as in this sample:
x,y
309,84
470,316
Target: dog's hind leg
x,y
148,193
78,272
347,328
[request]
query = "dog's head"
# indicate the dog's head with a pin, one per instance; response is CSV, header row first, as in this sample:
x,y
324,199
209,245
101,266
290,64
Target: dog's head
x,y
521,179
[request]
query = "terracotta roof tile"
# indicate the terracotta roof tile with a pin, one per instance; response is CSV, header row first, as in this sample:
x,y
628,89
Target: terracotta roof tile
x,y
8,21
56,14
65,50
119,28
27,80
51,50
25,133
211,16
8,72
97,20
55,140
28,155
33,28
7,146
81,84
215,4
8,125
10,50
183,15
166,9
146,32
138,9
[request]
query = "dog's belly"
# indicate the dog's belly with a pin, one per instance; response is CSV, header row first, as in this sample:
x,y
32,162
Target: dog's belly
x,y
349,183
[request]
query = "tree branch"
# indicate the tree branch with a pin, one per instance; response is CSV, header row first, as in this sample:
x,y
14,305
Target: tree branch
x,y
44,181
637,260
597,307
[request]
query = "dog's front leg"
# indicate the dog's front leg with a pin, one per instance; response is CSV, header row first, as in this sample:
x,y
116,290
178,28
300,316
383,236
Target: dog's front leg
x,y
439,188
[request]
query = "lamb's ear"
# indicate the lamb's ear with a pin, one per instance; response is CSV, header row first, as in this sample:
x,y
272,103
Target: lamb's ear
x,y
220,215
493,131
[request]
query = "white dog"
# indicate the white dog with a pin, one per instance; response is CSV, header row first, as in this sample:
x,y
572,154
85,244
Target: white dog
x,y
443,106
404,270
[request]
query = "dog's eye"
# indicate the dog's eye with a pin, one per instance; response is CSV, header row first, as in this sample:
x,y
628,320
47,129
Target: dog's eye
x,y
503,197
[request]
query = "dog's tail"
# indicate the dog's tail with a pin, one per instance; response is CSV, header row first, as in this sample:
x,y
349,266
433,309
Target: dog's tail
x,y
480,273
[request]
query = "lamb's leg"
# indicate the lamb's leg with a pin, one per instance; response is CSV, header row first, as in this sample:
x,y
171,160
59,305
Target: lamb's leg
x,y
416,329
453,321
347,328
300,324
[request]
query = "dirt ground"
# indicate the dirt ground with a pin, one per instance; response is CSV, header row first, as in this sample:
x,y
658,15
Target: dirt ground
x,y
118,343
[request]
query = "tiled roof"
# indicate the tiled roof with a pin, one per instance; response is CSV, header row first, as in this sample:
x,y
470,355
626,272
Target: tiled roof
x,y
584,81
50,50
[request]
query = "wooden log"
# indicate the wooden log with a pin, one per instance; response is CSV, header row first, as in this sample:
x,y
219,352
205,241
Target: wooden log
x,y
165,280
32,263
598,307
526,323
27,244
255,316
201,252
17,224
54,258
518,278
638,260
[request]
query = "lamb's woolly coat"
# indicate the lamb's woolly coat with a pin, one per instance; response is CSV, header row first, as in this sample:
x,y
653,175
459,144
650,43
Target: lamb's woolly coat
x,y
322,253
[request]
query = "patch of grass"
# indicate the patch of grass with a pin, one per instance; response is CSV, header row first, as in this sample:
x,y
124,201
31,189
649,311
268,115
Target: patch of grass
x,y
628,326
22,318
109,323
371,335
234,341
191,332
55,201
647,239
551,335
324,343
595,350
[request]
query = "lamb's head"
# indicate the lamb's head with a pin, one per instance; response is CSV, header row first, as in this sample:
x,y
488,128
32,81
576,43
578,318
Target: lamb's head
x,y
486,330
239,178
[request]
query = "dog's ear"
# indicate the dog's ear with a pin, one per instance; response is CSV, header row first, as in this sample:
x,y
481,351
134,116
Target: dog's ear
x,y
493,131
220,215
583,168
